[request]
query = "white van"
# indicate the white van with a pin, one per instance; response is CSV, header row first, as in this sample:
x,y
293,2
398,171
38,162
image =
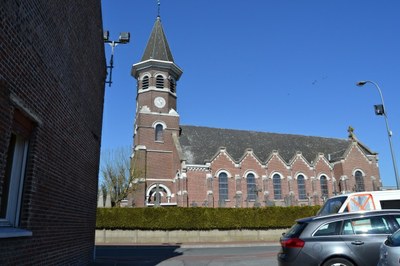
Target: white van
x,y
361,201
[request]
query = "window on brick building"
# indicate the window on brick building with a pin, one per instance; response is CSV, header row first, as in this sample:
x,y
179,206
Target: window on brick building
x,y
158,194
359,181
276,180
159,82
301,186
159,132
13,181
172,85
145,83
223,187
251,187
324,186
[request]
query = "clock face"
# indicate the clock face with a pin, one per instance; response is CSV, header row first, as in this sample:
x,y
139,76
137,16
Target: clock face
x,y
159,102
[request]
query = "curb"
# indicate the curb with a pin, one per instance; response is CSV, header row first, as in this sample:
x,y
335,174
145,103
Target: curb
x,y
238,244
197,245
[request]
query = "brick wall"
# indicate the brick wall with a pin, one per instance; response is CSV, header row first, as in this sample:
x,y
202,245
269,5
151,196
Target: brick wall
x,y
52,69
201,182
198,186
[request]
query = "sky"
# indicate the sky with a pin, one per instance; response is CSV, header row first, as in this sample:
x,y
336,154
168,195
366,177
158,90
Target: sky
x,y
281,66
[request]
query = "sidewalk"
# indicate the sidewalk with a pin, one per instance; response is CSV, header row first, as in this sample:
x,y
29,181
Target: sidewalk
x,y
209,237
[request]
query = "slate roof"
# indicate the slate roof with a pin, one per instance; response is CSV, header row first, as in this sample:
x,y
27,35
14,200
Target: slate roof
x,y
157,47
200,144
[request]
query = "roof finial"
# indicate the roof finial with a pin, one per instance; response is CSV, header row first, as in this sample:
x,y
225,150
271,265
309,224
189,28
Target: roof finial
x,y
351,133
158,6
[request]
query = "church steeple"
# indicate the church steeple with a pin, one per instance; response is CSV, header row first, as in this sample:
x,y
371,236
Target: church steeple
x,y
157,47
157,54
157,77
156,125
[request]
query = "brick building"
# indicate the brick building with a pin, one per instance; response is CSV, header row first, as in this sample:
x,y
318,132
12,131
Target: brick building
x,y
177,165
52,72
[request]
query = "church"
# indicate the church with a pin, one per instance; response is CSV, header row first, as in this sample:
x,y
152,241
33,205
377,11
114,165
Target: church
x,y
197,166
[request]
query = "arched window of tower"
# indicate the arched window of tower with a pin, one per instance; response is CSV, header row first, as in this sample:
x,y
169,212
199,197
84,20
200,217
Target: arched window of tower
x,y
160,82
172,85
145,83
159,132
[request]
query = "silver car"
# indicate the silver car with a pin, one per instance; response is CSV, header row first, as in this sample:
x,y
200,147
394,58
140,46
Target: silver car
x,y
390,250
345,239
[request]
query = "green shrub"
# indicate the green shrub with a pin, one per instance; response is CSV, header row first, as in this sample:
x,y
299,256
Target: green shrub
x,y
200,218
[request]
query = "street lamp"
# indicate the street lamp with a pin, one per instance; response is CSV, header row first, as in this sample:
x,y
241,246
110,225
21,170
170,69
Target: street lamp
x,y
380,109
124,38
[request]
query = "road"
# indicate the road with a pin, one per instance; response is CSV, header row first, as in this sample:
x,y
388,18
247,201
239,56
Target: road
x,y
188,255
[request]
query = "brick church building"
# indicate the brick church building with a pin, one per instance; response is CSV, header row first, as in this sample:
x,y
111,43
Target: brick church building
x,y
189,166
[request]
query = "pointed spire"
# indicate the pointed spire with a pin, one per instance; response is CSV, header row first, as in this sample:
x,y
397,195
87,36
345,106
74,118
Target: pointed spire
x,y
157,53
157,47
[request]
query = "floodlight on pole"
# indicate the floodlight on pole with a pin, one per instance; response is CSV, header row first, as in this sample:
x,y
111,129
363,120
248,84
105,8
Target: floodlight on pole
x,y
124,38
380,109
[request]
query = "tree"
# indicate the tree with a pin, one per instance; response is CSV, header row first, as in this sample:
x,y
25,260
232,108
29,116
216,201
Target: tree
x,y
103,194
117,179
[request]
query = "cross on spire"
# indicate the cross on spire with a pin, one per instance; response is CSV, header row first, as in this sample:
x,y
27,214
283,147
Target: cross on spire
x,y
158,8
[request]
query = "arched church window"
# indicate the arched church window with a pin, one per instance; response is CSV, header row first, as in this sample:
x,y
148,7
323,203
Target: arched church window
x,y
145,83
359,181
223,186
159,82
276,180
301,186
324,185
159,132
172,85
251,187
158,194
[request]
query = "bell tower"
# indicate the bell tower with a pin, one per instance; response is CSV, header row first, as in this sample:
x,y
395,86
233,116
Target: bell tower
x,y
155,160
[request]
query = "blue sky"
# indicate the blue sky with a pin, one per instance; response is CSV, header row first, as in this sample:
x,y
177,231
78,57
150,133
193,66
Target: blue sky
x,y
273,66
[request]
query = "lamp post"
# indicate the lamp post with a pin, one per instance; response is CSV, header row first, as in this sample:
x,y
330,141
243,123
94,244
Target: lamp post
x,y
380,109
124,38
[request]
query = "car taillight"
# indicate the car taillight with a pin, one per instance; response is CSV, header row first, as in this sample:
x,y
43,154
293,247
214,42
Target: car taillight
x,y
292,243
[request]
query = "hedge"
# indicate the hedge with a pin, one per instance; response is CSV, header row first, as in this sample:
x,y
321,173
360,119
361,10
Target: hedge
x,y
200,218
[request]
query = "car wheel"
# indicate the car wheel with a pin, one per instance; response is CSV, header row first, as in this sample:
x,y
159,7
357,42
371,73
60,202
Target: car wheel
x,y
338,262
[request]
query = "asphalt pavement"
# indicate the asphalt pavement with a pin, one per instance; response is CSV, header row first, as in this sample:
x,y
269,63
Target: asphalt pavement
x,y
191,254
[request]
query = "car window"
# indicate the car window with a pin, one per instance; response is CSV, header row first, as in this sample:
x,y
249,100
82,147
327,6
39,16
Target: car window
x,y
332,206
368,225
397,217
329,229
390,204
295,230
348,228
